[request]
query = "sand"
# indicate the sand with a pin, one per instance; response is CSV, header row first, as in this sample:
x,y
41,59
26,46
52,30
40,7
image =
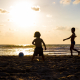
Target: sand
x,y
53,68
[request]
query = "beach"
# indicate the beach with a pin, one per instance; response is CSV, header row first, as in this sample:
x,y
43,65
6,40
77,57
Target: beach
x,y
58,67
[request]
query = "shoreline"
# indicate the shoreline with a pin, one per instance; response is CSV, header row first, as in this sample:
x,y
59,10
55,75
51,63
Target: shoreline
x,y
58,67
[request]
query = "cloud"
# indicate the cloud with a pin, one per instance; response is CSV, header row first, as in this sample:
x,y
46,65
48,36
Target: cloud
x,y
66,28
65,1
35,8
3,11
48,15
76,2
53,2
62,28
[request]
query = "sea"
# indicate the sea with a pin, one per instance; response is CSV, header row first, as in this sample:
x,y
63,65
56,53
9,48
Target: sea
x,y
52,49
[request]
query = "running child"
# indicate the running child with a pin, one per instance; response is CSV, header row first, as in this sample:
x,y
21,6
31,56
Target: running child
x,y
72,37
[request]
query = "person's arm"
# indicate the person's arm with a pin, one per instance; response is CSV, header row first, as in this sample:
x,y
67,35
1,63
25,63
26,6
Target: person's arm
x,y
44,44
67,38
33,42
75,35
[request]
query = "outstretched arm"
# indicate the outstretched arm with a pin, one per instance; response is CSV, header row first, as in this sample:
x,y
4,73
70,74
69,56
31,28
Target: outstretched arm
x,y
44,45
67,38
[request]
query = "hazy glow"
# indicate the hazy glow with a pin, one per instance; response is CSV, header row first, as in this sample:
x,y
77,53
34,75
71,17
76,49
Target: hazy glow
x,y
19,19
22,14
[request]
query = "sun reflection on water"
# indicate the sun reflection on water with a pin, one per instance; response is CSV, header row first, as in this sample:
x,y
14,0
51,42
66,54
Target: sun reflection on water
x,y
14,51
28,51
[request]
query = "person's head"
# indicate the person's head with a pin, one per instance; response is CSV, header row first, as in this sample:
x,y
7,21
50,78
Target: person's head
x,y
73,30
37,34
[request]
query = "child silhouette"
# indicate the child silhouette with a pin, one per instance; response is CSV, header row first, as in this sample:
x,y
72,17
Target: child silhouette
x,y
38,45
72,37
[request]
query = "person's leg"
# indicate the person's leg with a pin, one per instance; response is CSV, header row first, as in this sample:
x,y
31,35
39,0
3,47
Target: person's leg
x,y
77,51
34,54
71,48
43,57
32,58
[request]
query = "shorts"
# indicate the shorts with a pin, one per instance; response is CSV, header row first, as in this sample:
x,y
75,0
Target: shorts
x,y
38,50
73,42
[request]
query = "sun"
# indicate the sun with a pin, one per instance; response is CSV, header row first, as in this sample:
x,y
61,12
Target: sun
x,y
22,14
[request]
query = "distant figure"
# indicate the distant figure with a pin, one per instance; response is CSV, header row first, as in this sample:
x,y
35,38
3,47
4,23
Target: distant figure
x,y
72,37
38,46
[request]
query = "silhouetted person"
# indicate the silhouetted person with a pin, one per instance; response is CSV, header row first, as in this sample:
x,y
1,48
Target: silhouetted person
x,y
38,46
72,37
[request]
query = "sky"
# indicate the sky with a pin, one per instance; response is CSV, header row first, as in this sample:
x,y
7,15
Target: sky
x,y
19,19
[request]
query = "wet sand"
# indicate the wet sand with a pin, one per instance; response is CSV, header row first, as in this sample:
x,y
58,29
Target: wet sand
x,y
53,68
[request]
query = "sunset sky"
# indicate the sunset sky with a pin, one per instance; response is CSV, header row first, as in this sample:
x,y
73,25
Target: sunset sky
x,y
19,19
